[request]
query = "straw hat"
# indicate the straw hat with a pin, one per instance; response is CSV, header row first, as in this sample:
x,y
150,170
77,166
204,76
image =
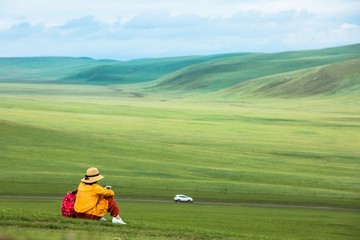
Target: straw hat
x,y
92,175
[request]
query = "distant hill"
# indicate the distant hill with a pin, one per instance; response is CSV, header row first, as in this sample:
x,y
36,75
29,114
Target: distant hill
x,y
138,71
91,71
43,69
224,73
284,74
332,79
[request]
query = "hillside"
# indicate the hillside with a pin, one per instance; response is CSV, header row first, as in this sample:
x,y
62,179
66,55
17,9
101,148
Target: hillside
x,y
138,71
43,69
330,79
298,73
224,73
91,71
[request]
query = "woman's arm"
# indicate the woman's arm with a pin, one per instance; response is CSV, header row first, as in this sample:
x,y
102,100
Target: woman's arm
x,y
103,191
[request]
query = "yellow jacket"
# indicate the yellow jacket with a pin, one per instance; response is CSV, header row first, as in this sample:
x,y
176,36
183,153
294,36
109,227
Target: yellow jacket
x,y
90,199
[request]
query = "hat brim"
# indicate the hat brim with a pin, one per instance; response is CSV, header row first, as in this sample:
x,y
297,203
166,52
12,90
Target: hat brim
x,y
92,179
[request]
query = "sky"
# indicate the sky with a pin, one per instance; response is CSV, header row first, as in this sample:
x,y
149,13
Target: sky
x,y
123,30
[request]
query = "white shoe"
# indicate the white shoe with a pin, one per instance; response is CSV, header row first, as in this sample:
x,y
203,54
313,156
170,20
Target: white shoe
x,y
103,219
118,220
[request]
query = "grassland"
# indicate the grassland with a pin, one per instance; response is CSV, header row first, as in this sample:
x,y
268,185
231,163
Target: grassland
x,y
225,73
91,71
34,219
260,137
292,151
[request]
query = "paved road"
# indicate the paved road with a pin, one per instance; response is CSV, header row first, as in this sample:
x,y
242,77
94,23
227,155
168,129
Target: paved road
x,y
265,205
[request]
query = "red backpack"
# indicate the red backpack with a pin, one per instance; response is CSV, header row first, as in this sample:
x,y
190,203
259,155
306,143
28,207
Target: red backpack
x,y
67,205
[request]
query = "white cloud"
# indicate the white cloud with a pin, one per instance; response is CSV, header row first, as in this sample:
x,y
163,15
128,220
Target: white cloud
x,y
349,27
319,37
143,28
55,12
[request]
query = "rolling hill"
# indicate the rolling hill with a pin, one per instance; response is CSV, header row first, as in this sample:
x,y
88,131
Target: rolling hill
x,y
90,71
138,71
43,69
224,73
297,73
332,79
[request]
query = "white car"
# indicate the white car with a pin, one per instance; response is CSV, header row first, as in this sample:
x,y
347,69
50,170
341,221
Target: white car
x,y
182,198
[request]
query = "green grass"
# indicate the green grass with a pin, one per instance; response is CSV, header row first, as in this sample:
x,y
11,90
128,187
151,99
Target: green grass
x,y
186,74
219,151
34,219
91,71
43,69
138,71
236,145
225,73
334,79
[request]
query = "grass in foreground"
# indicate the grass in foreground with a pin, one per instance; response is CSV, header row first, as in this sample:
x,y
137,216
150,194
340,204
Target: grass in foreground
x,y
41,220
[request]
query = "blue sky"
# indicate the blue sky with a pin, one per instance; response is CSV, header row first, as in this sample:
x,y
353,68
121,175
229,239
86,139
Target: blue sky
x,y
123,30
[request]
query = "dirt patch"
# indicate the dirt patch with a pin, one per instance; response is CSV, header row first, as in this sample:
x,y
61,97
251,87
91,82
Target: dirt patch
x,y
137,95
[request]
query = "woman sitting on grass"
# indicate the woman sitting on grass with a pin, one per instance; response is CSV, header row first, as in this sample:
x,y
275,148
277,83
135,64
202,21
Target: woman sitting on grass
x,y
93,200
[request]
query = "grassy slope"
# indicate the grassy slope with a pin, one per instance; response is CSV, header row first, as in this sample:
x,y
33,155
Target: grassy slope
x,y
139,70
223,73
40,69
40,220
226,151
334,79
198,74
90,71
